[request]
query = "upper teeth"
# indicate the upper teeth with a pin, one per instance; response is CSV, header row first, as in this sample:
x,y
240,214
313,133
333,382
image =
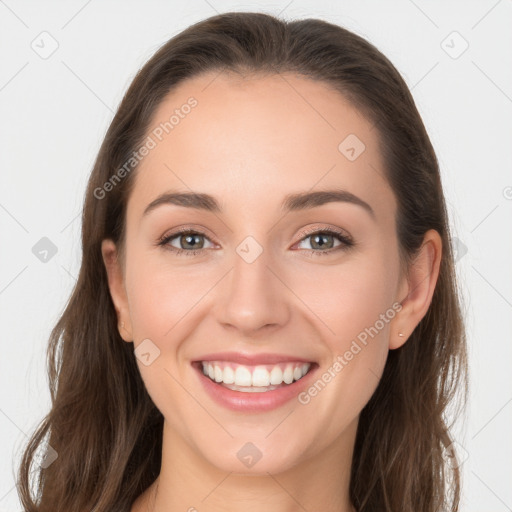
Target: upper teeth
x,y
258,376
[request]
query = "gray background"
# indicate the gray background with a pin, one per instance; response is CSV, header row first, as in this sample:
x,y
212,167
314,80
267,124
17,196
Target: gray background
x,y
55,109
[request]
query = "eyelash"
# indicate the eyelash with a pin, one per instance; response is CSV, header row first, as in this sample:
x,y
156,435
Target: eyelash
x,y
346,241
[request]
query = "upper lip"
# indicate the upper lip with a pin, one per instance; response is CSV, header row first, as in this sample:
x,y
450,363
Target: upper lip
x,y
252,359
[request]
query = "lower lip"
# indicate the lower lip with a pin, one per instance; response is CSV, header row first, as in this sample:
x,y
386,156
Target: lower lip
x,y
257,401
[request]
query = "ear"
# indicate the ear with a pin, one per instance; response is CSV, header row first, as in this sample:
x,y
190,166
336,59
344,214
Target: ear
x,y
418,289
117,288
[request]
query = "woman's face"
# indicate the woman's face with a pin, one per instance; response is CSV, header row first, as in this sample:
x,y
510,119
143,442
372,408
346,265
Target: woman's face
x,y
253,280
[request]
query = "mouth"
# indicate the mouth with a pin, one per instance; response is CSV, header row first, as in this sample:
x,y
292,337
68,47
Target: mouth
x,y
254,379
248,387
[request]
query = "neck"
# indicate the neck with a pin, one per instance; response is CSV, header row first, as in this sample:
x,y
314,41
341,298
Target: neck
x,y
190,483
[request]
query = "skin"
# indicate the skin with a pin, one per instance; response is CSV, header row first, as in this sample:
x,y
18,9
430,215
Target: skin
x,y
249,142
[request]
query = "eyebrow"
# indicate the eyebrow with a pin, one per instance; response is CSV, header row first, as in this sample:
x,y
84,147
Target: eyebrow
x,y
291,203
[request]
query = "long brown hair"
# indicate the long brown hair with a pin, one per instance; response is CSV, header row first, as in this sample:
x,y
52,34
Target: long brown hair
x,y
104,426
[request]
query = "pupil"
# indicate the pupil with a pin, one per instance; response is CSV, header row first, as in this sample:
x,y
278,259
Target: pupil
x,y
320,237
319,240
190,239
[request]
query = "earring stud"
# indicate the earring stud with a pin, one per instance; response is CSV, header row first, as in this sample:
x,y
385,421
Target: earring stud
x,y
400,334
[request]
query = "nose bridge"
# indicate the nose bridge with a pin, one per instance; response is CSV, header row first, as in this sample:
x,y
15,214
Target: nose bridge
x,y
252,296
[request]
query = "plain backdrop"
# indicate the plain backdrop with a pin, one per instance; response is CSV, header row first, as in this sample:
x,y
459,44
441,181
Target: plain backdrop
x,y
64,69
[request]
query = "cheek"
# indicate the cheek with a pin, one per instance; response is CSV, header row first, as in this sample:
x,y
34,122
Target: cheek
x,y
161,304
345,299
165,306
161,296
353,309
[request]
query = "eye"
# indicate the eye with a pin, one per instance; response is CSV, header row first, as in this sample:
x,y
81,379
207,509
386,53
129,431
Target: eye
x,y
324,240
189,242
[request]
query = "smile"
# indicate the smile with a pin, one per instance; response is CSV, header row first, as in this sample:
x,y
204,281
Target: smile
x,y
250,379
254,386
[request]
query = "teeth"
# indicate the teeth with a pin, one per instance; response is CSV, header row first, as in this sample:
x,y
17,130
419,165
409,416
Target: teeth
x,y
288,375
249,389
228,375
253,377
242,376
276,375
260,377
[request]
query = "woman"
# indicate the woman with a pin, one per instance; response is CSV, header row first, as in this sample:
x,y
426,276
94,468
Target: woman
x,y
208,359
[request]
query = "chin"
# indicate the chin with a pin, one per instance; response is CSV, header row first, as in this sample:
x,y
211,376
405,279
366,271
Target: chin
x,y
253,457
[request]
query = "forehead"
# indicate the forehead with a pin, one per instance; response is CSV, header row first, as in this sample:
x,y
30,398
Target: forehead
x,y
252,140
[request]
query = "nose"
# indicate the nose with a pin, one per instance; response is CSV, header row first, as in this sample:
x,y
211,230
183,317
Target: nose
x,y
253,297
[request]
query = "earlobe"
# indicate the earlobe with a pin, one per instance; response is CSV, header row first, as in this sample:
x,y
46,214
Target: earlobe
x,y
423,275
117,288
397,339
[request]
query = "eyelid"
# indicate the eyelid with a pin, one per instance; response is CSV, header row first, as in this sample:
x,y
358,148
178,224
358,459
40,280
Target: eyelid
x,y
346,240
302,233
322,229
189,228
